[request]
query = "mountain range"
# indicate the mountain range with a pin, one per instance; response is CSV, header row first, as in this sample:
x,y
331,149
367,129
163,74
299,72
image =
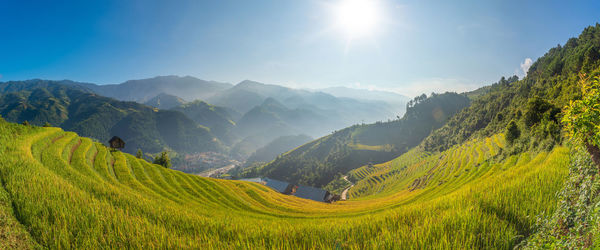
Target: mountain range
x,y
142,127
170,112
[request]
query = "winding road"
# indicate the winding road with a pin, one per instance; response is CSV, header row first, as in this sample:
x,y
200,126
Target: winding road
x,y
345,192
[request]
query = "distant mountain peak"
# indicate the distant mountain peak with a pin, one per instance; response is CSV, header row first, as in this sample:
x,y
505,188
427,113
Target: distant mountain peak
x,y
270,101
165,101
247,83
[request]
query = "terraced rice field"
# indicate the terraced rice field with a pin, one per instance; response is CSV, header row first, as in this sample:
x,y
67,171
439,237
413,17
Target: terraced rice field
x,y
60,190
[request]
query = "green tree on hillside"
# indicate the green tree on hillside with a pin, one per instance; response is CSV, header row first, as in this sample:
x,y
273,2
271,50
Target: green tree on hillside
x,y
139,154
47,124
537,108
26,123
582,118
163,160
512,132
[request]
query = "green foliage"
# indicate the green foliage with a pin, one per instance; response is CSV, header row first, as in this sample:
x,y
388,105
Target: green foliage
x,y
337,185
582,117
163,160
46,125
25,123
512,132
139,154
538,109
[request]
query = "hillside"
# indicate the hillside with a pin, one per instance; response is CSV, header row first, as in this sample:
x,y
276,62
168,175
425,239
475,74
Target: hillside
x,y
276,147
318,162
88,114
534,102
218,119
58,185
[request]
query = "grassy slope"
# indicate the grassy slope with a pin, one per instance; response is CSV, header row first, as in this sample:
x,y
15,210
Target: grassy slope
x,y
68,191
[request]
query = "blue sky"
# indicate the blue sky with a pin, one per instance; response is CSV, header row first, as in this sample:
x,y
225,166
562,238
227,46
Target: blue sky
x,y
416,46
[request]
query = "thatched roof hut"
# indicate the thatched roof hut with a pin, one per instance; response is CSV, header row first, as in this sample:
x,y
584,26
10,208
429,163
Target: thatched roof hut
x,y
116,143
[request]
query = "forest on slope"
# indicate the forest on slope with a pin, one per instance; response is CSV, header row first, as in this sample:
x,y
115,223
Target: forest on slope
x,y
318,162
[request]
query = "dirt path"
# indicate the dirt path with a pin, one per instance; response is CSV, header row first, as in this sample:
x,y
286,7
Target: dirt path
x,y
345,192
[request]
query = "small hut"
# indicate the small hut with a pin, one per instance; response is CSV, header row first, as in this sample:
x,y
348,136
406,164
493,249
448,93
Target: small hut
x,y
116,143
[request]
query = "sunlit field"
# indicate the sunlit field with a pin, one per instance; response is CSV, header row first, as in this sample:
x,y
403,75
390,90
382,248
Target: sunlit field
x,y
70,192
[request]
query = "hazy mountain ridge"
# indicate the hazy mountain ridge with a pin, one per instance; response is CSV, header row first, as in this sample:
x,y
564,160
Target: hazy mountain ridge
x,y
187,87
397,101
88,114
165,101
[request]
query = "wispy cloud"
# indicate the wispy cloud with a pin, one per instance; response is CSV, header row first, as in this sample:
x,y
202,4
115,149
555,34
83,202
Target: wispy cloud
x,y
525,65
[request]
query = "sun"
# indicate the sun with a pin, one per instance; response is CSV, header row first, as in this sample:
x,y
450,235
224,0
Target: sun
x,y
357,18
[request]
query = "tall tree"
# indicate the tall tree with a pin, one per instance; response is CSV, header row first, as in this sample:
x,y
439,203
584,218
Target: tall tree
x,y
163,160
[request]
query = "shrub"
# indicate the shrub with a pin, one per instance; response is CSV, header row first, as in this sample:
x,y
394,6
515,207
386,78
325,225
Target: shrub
x,y
582,118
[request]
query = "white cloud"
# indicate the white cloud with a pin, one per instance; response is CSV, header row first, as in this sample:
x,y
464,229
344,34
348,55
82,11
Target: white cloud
x,y
525,65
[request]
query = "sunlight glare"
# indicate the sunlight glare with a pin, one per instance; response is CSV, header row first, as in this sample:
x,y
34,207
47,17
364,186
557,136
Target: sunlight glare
x,y
356,18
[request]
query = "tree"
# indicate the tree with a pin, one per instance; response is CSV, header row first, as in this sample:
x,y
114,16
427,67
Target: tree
x,y
139,154
536,109
26,123
512,132
163,160
582,118
46,124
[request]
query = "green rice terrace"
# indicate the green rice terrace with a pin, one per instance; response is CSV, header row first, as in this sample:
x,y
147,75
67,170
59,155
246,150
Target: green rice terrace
x,y
60,190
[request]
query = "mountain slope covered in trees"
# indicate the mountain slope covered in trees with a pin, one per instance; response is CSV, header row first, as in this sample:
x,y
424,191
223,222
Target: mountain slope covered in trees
x,y
533,103
316,163
40,102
